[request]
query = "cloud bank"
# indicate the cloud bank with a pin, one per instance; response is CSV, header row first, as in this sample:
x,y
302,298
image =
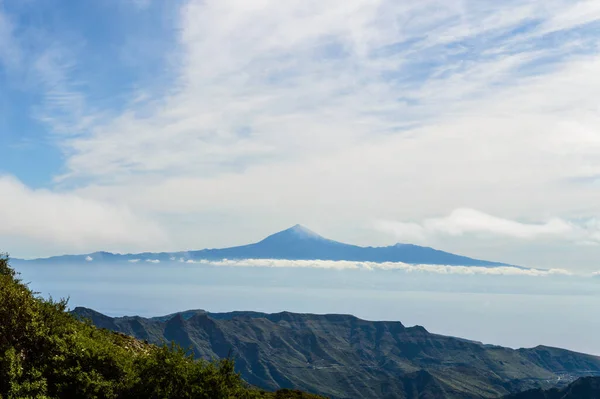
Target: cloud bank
x,y
349,265
68,222
466,221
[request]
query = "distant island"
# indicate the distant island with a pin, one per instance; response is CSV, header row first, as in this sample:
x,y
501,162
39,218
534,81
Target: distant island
x,y
295,243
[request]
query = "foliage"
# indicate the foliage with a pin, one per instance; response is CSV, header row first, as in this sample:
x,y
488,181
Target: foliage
x,y
45,352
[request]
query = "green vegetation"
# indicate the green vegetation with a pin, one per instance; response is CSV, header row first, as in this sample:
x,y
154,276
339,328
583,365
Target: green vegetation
x,y
45,352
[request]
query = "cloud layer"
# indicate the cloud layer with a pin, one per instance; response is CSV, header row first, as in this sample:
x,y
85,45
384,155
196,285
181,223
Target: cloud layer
x,y
469,221
350,265
67,222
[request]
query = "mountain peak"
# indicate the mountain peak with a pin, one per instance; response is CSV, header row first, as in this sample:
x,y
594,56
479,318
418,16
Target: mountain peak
x,y
295,233
302,232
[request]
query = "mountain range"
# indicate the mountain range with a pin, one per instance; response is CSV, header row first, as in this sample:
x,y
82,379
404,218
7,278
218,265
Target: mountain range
x,y
341,356
295,243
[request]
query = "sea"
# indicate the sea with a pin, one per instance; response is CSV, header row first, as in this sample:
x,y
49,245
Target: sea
x,y
508,310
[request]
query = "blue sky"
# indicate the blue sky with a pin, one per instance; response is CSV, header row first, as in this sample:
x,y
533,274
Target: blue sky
x,y
470,126
57,52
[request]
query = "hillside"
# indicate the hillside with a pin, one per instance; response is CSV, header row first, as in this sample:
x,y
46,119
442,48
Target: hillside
x,y
342,356
47,353
295,243
583,388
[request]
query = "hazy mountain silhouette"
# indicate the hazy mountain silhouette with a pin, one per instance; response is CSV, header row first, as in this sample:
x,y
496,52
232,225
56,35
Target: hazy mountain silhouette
x,y
295,243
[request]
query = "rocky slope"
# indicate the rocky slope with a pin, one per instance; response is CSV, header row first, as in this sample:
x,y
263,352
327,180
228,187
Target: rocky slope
x,y
341,356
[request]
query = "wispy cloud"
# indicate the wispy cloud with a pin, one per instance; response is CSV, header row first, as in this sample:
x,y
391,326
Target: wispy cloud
x,y
326,99
64,106
10,53
349,265
141,4
578,14
251,93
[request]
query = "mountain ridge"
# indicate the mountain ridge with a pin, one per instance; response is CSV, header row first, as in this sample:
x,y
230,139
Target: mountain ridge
x,y
343,356
295,243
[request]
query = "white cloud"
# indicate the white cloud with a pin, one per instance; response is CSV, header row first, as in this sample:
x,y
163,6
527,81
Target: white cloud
x,y
431,170
464,221
325,111
133,260
41,219
305,78
88,258
579,13
152,260
469,221
350,265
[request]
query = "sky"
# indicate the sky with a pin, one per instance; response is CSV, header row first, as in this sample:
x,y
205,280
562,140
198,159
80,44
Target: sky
x,y
153,125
